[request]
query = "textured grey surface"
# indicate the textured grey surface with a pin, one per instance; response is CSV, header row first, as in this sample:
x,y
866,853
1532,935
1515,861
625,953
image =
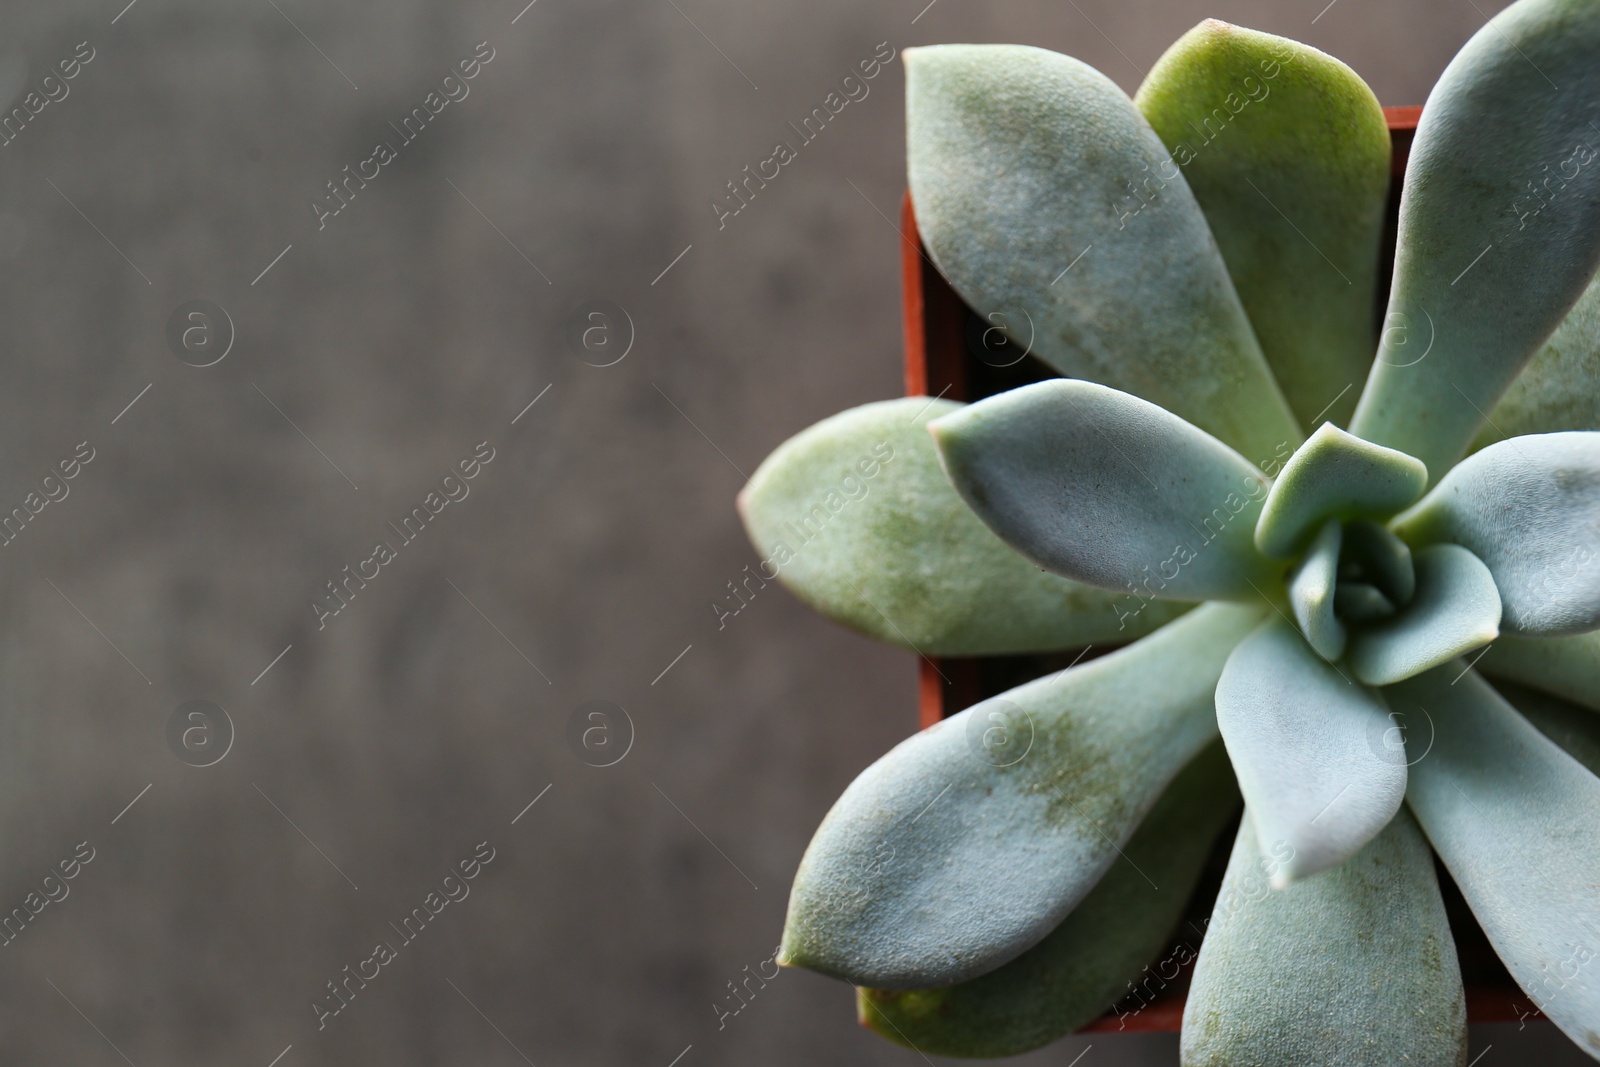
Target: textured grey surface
x,y
406,331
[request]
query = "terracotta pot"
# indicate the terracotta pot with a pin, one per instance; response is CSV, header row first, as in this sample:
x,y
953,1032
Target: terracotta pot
x,y
940,335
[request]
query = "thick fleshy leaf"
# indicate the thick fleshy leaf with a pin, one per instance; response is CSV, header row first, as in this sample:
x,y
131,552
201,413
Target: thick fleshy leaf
x,y
1575,729
1559,389
1308,746
1354,967
1361,602
856,516
1456,610
1311,593
1287,152
1499,227
1335,475
1101,949
1108,489
1529,507
1513,817
1566,666
972,840
1053,208
1384,560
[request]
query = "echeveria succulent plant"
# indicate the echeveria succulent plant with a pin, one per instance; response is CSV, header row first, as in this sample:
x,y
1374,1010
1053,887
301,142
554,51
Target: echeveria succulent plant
x,y
1201,264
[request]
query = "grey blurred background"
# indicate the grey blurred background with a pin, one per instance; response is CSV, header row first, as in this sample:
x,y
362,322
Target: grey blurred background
x,y
368,358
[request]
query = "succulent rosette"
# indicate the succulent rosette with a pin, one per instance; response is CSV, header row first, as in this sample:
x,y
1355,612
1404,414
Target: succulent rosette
x,y
1202,265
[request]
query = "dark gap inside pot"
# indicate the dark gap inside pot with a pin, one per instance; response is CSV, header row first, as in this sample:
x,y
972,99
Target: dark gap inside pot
x,y
952,352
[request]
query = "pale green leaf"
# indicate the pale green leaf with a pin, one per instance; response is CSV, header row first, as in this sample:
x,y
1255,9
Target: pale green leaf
x,y
969,842
1513,817
1456,610
1576,729
1335,475
1566,666
1309,749
1384,559
1104,951
1111,490
856,516
1559,389
1499,227
1529,507
1287,152
1311,593
1053,208
1361,602
1355,967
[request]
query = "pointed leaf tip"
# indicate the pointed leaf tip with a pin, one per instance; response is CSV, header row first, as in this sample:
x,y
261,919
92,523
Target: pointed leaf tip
x,y
1089,961
959,850
834,509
